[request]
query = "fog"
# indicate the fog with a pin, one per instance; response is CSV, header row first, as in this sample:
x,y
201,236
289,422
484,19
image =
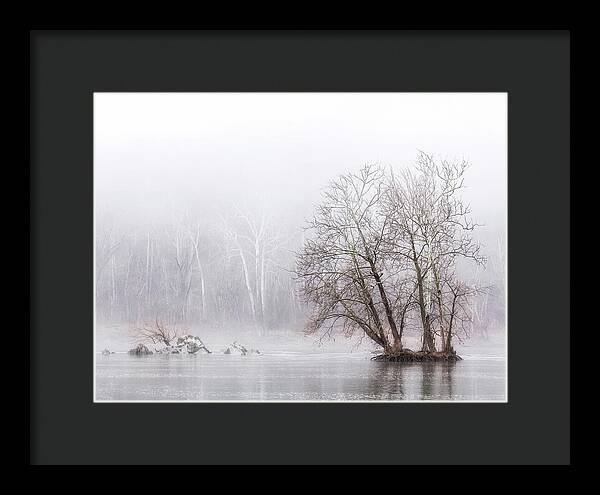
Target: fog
x,y
174,168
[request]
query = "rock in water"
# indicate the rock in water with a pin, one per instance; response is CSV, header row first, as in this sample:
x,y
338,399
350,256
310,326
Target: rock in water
x,y
140,350
239,350
190,344
186,344
169,349
236,349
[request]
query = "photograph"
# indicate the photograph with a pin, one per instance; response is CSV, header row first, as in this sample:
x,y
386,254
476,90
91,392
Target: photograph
x,y
300,247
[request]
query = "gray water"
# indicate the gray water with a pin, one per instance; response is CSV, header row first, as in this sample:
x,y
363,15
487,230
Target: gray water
x,y
296,377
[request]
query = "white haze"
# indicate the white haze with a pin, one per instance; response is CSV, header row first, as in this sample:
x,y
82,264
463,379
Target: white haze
x,y
157,149
155,153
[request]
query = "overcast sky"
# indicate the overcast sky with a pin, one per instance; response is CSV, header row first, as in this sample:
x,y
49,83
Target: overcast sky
x,y
283,148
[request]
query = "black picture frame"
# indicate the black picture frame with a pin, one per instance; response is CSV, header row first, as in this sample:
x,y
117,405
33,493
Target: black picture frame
x,y
66,67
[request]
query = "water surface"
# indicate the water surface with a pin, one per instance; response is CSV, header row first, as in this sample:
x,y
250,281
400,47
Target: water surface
x,y
296,376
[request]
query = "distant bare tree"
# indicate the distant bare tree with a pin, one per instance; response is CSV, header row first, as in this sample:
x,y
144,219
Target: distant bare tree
x,y
255,241
457,310
188,267
194,236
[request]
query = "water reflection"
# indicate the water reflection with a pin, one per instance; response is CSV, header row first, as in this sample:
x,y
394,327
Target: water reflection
x,y
447,378
424,381
388,380
122,377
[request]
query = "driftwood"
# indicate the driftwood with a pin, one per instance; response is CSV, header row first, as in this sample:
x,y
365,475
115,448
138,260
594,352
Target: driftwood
x,y
410,356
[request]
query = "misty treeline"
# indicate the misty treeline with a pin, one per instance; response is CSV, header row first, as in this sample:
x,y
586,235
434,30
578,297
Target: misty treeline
x,y
384,255
205,266
391,251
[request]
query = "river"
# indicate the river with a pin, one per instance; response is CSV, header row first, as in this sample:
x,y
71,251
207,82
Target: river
x,y
299,376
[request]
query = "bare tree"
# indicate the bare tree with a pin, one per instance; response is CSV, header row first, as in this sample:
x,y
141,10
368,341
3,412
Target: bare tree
x,y
385,244
157,333
234,239
431,229
255,242
457,312
342,268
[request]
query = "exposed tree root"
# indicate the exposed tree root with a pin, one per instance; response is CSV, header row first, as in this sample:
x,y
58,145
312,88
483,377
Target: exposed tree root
x,y
410,356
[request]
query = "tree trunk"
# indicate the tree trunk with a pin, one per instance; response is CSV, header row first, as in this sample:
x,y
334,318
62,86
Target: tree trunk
x,y
371,305
202,285
148,266
428,341
248,285
388,309
438,296
257,282
448,342
113,290
262,284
